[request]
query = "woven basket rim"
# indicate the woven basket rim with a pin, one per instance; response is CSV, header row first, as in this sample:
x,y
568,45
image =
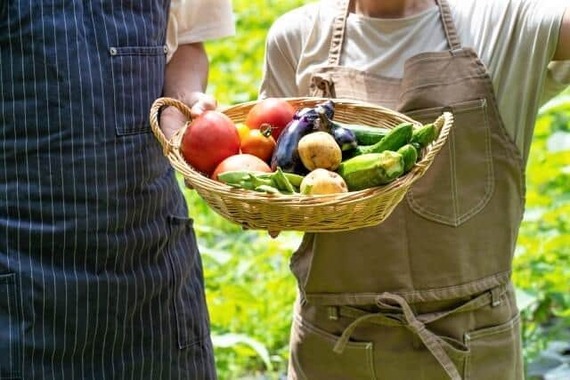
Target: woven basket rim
x,y
204,185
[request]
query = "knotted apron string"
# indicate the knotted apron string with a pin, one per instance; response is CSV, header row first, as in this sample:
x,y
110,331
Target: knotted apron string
x,y
401,314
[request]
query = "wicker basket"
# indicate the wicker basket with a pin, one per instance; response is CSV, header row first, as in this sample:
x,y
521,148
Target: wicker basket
x,y
321,213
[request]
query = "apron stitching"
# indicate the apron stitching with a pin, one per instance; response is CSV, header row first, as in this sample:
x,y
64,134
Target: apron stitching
x,y
490,183
495,105
427,85
337,40
476,286
449,26
453,178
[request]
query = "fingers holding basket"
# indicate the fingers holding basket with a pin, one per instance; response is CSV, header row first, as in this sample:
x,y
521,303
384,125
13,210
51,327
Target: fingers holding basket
x,y
171,120
168,115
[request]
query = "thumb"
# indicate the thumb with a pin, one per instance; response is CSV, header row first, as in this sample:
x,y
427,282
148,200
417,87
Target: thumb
x,y
205,102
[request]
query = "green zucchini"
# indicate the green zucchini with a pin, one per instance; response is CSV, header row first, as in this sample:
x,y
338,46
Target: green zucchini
x,y
366,134
410,155
424,135
371,169
399,136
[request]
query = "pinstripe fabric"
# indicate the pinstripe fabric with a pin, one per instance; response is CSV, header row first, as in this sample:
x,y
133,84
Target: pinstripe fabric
x,y
100,276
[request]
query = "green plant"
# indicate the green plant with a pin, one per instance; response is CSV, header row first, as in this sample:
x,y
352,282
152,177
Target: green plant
x,y
236,63
541,270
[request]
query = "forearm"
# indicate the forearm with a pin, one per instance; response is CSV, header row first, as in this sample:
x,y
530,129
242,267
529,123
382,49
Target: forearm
x,y
186,79
187,73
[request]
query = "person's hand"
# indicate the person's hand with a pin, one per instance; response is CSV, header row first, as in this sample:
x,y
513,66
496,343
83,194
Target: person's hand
x,y
171,119
203,103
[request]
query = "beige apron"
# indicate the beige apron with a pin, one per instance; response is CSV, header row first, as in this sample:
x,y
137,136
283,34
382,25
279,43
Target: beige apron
x,y
426,294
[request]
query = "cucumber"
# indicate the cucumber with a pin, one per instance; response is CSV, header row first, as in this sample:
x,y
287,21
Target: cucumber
x,y
365,134
410,155
371,169
424,135
399,136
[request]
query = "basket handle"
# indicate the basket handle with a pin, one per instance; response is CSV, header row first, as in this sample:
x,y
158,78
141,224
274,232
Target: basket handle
x,y
155,110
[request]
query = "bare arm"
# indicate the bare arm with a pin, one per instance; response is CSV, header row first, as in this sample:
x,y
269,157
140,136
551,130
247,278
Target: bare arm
x,y
563,50
186,80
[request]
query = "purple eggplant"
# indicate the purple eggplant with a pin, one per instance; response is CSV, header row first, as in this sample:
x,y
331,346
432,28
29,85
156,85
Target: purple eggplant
x,y
286,155
327,107
344,137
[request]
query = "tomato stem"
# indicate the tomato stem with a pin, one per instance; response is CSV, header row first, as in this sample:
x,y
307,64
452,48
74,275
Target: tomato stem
x,y
266,129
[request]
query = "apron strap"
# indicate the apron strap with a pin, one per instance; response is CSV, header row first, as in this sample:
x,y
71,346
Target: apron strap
x,y
399,313
449,25
339,27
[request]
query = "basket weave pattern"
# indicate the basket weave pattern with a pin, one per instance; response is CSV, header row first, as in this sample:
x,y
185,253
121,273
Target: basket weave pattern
x,y
320,213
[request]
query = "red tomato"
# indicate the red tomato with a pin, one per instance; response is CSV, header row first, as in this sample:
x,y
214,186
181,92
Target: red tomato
x,y
242,161
276,112
259,142
208,140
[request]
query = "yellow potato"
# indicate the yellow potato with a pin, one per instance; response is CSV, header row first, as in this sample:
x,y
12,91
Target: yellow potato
x,y
322,181
319,150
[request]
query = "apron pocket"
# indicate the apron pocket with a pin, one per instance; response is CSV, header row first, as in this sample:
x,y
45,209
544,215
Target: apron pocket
x,y
137,80
10,332
495,352
460,181
312,355
189,301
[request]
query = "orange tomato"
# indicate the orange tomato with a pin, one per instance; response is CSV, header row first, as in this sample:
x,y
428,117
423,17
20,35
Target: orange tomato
x,y
243,130
259,143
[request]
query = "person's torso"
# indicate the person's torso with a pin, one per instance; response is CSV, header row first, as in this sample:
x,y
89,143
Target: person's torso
x,y
455,232
514,40
100,271
79,157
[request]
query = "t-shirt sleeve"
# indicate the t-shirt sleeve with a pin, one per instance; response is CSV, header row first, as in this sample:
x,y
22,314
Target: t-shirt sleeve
x,y
278,78
193,21
283,48
517,39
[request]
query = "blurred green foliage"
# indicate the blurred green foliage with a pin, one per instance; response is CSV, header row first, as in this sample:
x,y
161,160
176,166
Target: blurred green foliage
x,y
249,287
542,261
236,63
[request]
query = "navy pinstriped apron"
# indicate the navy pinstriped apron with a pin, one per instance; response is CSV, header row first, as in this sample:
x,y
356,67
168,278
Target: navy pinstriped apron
x,y
100,276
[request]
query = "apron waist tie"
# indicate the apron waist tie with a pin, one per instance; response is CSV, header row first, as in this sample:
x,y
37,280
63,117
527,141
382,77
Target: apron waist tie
x,y
400,313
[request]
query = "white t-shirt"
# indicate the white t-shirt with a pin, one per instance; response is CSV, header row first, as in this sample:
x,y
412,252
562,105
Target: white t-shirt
x,y
515,39
198,20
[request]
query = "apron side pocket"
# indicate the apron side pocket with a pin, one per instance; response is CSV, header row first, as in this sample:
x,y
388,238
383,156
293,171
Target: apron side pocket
x,y
493,350
10,333
312,355
136,76
191,317
460,182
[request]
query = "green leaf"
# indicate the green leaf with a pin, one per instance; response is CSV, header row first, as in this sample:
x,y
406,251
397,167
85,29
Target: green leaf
x,y
232,340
